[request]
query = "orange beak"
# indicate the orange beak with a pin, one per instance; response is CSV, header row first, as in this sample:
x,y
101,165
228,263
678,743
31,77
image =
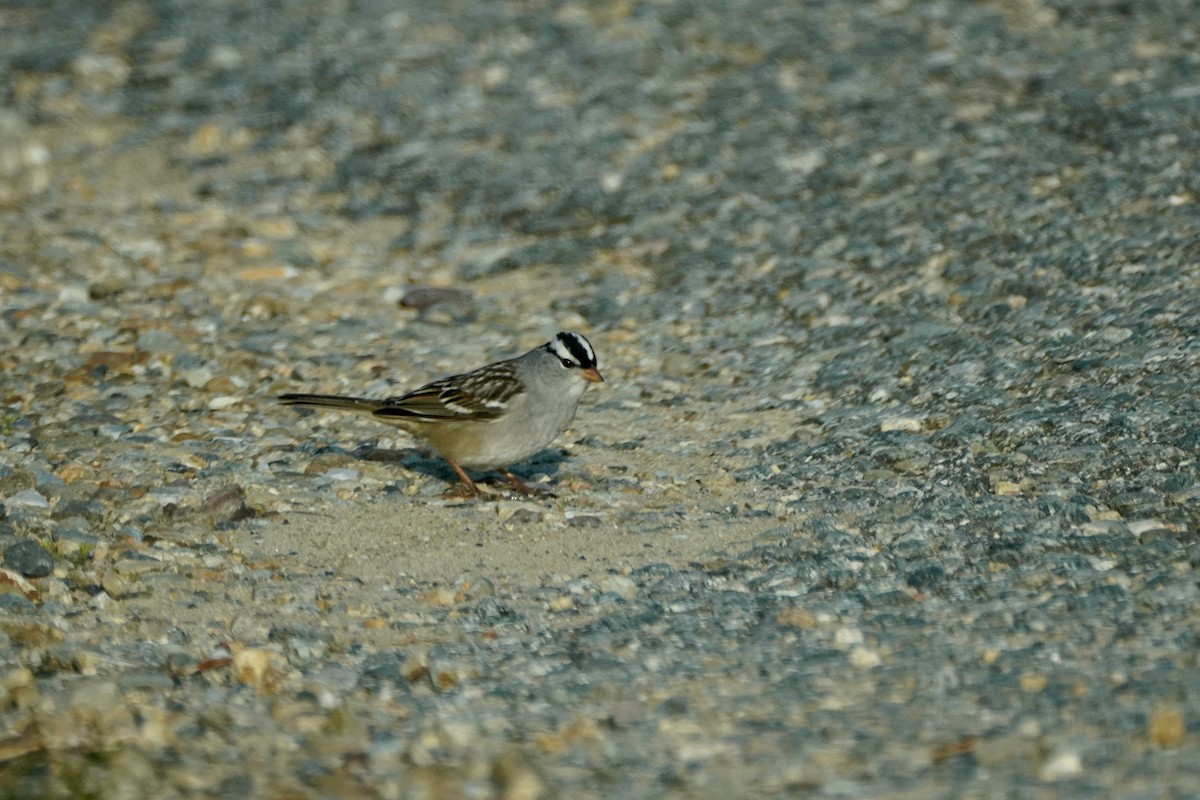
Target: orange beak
x,y
592,375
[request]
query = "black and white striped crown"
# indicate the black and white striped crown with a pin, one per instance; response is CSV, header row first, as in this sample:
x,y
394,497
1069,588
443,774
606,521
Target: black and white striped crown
x,y
573,348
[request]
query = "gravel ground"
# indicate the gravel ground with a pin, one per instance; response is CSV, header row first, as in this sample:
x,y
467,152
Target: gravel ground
x,y
892,491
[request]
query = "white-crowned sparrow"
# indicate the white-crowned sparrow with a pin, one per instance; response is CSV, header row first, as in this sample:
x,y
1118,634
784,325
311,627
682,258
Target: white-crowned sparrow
x,y
491,417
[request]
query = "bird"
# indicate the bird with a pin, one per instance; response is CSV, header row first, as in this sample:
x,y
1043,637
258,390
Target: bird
x,y
491,417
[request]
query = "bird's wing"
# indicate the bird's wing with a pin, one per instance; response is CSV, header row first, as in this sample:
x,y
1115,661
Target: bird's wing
x,y
481,395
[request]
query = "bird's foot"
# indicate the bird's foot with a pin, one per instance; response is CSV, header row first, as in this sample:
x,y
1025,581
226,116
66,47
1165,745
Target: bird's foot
x,y
522,488
461,491
465,489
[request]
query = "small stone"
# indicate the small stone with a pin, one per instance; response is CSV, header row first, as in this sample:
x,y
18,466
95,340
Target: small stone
x,y
515,777
159,342
227,499
1138,527
116,585
1007,748
493,609
262,306
32,635
197,377
222,402
1166,726
270,273
49,389
106,289
342,474
29,558
275,227
19,688
89,512
205,140
423,298
86,662
28,498
447,675
562,603
473,587
925,575
619,585
138,681
415,667
15,604
1032,682
100,72
327,461
584,521
99,713
627,712
390,666
906,424
1063,763
16,480
71,472
525,516
303,646
13,582
259,668
438,596
796,618
848,637
133,563
865,658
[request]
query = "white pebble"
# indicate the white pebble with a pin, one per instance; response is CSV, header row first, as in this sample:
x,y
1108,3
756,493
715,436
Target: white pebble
x,y
865,658
908,424
619,585
341,474
848,637
1062,763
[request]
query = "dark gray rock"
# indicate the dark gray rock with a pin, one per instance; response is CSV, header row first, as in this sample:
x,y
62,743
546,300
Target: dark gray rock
x,y
29,558
384,667
15,604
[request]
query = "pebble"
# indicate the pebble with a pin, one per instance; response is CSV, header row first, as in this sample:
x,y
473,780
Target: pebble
x,y
261,669
1166,726
439,596
116,585
865,658
1064,762
26,499
619,585
342,474
516,778
526,516
907,424
223,402
302,646
389,667
15,604
29,558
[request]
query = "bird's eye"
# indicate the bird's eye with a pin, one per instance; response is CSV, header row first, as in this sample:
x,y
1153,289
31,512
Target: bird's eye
x,y
566,362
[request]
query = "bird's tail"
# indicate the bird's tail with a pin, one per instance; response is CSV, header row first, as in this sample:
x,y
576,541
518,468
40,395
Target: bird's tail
x,y
359,404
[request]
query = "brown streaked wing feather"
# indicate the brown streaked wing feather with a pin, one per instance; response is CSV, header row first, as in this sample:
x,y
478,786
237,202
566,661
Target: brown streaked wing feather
x,y
480,395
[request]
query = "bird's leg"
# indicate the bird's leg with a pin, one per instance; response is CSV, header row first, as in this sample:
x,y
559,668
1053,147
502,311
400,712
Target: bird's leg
x,y
467,488
528,491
